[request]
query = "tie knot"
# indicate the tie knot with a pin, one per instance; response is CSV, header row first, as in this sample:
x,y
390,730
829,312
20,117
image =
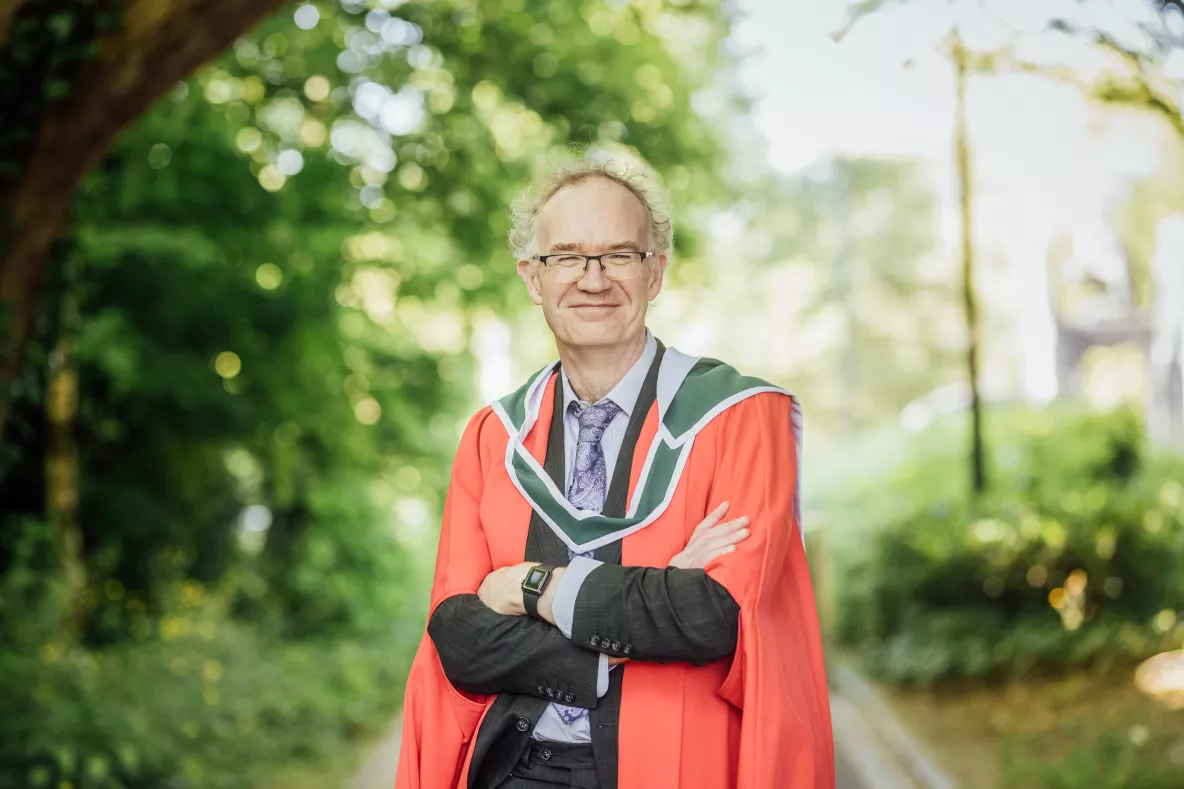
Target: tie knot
x,y
596,416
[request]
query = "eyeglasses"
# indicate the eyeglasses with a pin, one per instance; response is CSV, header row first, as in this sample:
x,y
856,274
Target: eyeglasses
x,y
620,265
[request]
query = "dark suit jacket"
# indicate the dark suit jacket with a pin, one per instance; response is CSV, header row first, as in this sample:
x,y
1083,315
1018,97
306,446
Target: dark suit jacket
x,y
660,614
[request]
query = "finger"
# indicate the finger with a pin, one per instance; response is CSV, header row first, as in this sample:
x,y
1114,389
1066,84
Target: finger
x,y
718,530
724,540
710,554
712,518
727,527
704,556
738,536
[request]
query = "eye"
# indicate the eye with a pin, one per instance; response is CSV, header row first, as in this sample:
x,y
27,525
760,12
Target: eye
x,y
566,260
620,258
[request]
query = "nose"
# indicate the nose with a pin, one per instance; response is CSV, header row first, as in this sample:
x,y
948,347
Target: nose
x,y
594,279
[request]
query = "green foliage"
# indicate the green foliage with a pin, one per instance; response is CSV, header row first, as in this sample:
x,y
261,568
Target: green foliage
x,y
933,586
44,47
1135,758
216,708
32,593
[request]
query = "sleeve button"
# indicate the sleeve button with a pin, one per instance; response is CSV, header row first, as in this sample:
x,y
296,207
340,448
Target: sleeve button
x,y
569,697
594,641
616,646
628,649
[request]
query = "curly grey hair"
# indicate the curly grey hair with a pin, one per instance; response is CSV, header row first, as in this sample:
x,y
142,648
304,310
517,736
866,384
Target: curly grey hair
x,y
525,211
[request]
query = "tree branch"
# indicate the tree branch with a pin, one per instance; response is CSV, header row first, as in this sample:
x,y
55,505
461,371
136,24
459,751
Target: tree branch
x,y
858,13
160,43
8,10
1139,91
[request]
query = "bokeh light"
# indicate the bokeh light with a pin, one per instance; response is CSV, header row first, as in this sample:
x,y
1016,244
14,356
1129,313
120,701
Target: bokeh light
x,y
269,276
227,364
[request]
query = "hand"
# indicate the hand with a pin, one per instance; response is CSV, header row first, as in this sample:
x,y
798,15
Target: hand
x,y
711,539
615,661
502,589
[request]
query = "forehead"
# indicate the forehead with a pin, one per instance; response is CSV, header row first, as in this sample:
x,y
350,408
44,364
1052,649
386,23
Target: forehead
x,y
596,211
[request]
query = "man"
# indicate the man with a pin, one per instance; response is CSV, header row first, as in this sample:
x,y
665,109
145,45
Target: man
x,y
593,623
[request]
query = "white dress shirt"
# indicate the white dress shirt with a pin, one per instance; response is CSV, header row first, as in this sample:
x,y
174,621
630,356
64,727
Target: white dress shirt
x,y
551,726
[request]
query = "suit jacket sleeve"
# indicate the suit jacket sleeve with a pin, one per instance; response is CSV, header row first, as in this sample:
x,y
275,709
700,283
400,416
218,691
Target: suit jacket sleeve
x,y
482,651
652,613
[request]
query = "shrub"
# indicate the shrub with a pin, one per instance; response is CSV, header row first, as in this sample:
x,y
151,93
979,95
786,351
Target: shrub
x,y
1073,559
1134,758
214,707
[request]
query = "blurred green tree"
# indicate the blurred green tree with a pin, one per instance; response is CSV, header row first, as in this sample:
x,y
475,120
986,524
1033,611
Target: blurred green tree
x,y
1142,43
276,272
1143,38
72,75
965,62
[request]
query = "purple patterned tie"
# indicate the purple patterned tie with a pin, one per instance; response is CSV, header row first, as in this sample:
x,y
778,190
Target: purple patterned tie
x,y
589,486
589,483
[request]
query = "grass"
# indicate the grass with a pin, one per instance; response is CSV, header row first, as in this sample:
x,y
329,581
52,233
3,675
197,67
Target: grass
x,y
1037,733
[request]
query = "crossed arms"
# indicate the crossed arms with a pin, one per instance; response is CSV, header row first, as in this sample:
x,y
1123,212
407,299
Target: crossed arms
x,y
676,613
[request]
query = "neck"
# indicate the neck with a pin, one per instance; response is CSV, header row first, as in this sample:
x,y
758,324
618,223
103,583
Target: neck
x,y
593,372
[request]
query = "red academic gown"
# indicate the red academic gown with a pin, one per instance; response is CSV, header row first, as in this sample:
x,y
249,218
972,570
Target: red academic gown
x,y
759,720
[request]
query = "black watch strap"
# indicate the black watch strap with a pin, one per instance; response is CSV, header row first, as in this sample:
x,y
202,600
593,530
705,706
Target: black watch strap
x,y
534,585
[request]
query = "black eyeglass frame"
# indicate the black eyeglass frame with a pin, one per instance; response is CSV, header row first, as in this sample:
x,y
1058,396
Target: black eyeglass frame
x,y
587,258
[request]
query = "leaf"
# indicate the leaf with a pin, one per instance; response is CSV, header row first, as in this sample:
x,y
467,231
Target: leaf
x,y
858,13
61,24
108,19
57,89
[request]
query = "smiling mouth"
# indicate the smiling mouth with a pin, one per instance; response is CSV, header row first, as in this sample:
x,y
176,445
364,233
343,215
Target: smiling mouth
x,y
595,312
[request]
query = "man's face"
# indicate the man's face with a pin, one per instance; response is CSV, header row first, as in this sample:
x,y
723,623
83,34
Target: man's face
x,y
592,218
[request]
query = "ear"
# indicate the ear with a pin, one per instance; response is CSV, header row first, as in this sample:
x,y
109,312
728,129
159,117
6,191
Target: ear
x,y
529,271
657,274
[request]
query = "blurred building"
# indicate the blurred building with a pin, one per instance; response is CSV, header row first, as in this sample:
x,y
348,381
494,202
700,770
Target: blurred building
x,y
1093,307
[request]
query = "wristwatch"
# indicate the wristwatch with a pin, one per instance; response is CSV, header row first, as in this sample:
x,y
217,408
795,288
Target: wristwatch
x,y
533,586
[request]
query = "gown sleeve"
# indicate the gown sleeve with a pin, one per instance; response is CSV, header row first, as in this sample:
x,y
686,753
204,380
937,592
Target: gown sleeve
x,y
439,719
777,677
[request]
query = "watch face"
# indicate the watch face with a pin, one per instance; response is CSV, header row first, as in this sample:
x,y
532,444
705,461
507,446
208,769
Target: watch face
x,y
534,579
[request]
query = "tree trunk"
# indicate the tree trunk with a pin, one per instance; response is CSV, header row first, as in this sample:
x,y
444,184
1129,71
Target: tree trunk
x,y
61,463
969,300
8,9
159,43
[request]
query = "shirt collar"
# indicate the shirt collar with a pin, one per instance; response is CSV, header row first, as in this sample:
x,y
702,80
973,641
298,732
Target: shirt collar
x,y
628,389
